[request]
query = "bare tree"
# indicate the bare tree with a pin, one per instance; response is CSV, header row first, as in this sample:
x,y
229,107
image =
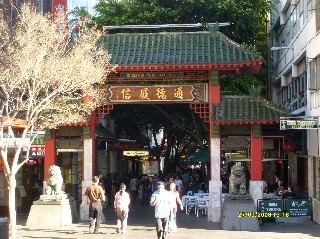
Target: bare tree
x,y
46,79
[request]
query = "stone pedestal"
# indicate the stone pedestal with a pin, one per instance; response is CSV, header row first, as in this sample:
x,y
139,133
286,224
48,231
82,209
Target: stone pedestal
x,y
230,219
4,227
50,213
316,210
215,192
256,190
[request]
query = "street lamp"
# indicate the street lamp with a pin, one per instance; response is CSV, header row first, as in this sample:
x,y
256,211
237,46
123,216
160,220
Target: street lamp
x,y
276,48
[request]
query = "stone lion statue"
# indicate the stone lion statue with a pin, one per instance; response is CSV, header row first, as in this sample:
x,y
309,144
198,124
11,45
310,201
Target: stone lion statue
x,y
237,181
54,181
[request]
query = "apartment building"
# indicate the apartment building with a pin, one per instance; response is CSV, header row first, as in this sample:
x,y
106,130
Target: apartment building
x,y
294,84
9,11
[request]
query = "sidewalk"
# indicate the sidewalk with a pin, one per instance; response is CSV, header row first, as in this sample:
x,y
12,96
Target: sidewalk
x,y
141,225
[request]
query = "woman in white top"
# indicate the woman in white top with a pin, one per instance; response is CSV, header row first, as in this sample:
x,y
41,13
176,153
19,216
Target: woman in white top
x,y
121,207
174,199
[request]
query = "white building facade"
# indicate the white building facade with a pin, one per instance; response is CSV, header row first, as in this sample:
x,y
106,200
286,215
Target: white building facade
x,y
295,82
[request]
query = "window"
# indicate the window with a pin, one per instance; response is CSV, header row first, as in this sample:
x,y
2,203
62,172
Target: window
x,y
312,75
317,75
40,7
317,9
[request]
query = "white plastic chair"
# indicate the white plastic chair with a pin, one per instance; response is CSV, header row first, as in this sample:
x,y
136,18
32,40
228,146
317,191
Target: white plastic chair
x,y
202,205
191,203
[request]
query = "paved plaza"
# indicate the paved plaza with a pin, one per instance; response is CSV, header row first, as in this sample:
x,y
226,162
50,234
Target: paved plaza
x,y
141,224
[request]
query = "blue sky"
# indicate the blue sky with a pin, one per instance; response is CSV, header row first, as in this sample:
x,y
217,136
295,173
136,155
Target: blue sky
x,y
87,4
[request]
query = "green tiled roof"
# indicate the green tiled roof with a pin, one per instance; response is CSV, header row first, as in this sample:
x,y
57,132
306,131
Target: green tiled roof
x,y
248,109
176,48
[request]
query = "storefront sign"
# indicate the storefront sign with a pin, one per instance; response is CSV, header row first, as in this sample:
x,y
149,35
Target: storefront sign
x,y
13,142
70,150
124,146
135,153
152,75
39,141
298,207
270,205
37,150
236,142
298,124
157,93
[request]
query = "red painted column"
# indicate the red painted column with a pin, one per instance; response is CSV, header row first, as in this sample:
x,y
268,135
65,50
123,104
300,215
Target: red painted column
x,y
214,98
214,88
50,157
256,153
93,137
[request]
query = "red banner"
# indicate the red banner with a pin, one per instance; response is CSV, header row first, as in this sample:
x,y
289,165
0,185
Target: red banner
x,y
60,17
59,5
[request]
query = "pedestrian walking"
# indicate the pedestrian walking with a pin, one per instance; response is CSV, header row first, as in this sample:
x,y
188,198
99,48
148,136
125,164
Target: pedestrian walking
x,y
94,195
161,200
174,199
145,186
121,207
155,183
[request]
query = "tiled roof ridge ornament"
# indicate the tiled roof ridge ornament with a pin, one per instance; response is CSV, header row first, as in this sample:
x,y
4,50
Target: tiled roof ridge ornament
x,y
210,26
213,27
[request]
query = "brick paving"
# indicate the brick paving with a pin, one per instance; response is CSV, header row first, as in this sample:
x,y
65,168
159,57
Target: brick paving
x,y
141,224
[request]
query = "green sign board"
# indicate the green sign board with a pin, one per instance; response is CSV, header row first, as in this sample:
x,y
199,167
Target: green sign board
x,y
298,207
270,205
298,124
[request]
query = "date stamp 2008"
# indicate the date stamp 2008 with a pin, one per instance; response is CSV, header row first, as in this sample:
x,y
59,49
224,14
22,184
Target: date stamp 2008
x,y
262,214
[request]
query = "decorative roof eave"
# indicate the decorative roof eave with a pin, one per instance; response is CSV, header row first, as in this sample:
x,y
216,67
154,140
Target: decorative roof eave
x,y
241,68
75,124
246,110
249,122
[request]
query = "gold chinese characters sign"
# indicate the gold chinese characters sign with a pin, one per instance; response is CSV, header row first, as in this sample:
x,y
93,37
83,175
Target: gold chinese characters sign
x,y
157,93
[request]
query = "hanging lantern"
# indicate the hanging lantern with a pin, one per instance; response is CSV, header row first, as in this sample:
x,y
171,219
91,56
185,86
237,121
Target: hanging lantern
x,y
288,147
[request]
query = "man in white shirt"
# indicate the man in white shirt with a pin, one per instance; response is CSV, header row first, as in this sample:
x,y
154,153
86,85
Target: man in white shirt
x,y
161,200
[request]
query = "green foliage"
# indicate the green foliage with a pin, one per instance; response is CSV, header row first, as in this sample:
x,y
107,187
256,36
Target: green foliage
x,y
247,17
239,85
80,13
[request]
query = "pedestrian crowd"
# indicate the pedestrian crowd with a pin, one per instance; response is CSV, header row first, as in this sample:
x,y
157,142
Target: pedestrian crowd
x,y
163,193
